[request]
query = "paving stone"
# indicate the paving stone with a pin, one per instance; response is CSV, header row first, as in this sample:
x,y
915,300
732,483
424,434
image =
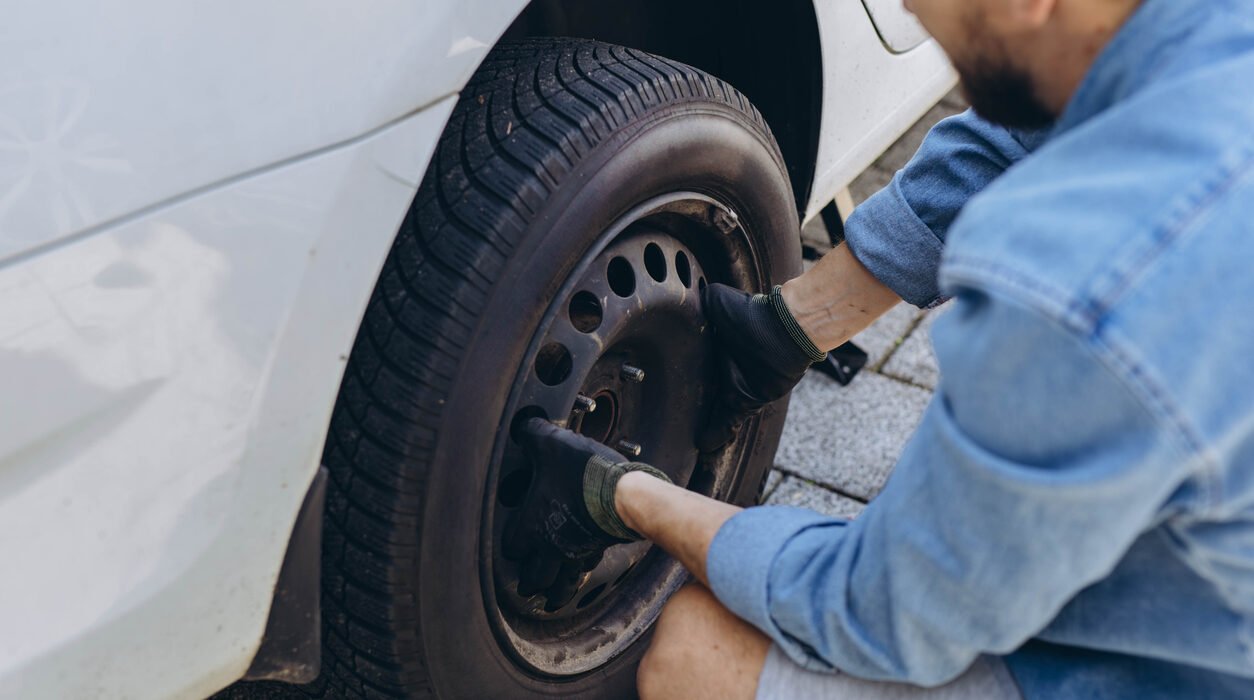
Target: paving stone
x,y
955,101
915,360
888,331
797,492
849,438
816,235
872,180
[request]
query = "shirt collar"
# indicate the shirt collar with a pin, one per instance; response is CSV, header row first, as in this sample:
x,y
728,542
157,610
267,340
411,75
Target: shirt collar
x,y
1138,53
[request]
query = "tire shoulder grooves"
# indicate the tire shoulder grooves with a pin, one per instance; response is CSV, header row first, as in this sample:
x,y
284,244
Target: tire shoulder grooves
x,y
378,449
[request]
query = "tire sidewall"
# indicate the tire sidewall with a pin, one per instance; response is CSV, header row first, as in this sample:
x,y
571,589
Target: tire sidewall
x,y
703,147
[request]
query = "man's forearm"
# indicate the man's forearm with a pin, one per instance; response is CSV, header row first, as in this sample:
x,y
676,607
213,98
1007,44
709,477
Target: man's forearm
x,y
679,521
836,299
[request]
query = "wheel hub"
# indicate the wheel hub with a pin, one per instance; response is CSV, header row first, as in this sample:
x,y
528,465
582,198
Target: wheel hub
x,y
623,355
622,366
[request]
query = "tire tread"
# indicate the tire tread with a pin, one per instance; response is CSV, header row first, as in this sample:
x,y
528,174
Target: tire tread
x,y
531,113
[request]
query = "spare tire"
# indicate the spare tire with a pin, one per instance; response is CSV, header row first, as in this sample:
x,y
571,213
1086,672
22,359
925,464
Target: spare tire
x,y
580,197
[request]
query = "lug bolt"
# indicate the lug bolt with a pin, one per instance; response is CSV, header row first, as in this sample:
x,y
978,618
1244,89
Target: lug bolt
x,y
725,220
584,404
629,448
632,374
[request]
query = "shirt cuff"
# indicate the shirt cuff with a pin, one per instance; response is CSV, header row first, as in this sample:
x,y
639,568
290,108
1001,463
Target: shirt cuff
x,y
742,554
895,246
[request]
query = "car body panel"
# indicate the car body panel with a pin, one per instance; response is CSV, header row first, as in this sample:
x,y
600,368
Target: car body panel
x,y
168,384
195,202
871,102
106,109
897,26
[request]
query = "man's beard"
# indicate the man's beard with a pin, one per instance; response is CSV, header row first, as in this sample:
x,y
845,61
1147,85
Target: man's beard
x,y
1005,96
997,90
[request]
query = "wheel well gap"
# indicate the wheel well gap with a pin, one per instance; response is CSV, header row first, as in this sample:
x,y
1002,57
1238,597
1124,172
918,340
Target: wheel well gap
x,y
771,52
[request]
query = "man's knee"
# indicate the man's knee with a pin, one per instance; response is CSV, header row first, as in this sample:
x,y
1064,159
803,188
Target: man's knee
x,y
695,642
663,660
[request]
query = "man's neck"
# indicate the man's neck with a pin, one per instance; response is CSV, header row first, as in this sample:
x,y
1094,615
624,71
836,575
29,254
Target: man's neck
x,y
1065,53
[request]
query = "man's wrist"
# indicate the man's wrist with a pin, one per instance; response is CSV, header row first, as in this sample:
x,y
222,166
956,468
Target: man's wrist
x,y
628,497
794,296
836,299
601,478
793,328
679,521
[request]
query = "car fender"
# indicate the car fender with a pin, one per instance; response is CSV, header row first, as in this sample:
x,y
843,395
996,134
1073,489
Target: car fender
x,y
185,254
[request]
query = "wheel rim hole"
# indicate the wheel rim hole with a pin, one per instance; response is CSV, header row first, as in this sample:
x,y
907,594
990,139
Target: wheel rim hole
x,y
551,605
599,425
513,488
655,262
553,364
621,276
590,597
683,268
522,416
701,284
585,312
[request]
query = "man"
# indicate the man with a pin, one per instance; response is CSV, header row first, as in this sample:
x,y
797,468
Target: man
x,y
1075,516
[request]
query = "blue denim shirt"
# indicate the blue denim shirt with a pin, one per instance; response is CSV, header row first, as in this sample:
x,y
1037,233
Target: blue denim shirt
x,y
1079,496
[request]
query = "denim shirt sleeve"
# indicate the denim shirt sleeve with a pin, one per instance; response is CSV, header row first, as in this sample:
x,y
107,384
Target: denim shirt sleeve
x,y
1003,506
898,233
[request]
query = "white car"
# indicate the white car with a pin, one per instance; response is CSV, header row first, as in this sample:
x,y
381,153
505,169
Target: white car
x,y
260,256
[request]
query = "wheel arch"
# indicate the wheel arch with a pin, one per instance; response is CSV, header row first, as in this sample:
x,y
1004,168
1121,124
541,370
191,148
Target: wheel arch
x,y
771,53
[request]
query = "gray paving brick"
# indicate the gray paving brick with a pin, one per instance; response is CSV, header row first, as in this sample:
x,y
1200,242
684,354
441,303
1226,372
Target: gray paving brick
x,y
872,180
849,437
887,332
797,492
955,101
915,361
816,235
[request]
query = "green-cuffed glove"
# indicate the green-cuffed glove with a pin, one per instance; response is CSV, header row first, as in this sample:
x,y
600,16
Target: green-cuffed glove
x,y
568,517
764,354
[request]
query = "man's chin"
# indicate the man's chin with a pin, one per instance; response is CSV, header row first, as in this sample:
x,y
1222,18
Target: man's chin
x,y
1006,98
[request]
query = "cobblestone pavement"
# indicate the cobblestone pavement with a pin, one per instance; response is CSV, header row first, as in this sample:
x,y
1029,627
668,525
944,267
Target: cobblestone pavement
x,y
840,443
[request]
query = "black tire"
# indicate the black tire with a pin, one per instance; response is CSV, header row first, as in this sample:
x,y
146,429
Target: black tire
x,y
551,142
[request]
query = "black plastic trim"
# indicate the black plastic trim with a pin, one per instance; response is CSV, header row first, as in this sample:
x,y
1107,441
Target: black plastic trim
x,y
291,650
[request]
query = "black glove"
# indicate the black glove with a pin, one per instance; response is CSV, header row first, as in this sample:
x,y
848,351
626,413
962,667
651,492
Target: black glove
x,y
568,518
764,354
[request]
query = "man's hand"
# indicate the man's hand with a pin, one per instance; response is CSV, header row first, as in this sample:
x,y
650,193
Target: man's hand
x,y
569,517
765,353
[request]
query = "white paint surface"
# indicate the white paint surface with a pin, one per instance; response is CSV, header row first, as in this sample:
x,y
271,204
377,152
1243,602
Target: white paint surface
x,y
898,27
167,389
870,96
107,107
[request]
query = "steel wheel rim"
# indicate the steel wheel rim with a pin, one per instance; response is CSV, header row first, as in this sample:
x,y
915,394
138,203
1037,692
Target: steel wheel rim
x,y
604,618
